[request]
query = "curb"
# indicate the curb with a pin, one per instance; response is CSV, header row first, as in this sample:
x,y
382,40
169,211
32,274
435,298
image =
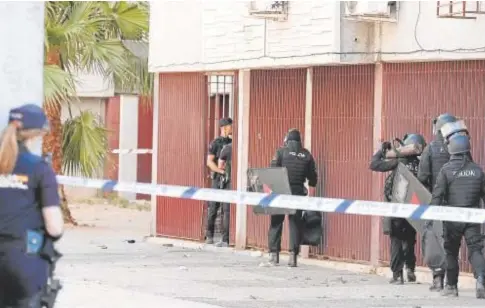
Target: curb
x,y
423,274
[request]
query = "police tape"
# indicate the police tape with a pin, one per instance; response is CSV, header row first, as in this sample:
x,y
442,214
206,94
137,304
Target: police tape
x,y
132,151
319,204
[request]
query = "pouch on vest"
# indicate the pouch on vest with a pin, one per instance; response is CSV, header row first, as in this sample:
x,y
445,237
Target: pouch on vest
x,y
34,241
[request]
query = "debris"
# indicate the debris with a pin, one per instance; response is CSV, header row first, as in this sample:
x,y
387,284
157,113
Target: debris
x,y
167,245
186,255
103,247
130,241
183,268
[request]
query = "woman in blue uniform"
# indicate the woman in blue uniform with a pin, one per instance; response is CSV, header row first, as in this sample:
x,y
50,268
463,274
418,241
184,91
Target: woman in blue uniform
x,y
30,215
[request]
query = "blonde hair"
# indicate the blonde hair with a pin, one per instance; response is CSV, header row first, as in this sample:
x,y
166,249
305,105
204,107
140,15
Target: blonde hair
x,y
9,148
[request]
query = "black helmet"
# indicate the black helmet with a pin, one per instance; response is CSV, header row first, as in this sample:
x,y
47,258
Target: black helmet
x,y
414,139
442,120
459,144
292,135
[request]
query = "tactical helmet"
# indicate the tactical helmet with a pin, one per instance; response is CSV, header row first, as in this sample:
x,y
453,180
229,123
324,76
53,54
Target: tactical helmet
x,y
414,139
459,144
293,134
442,120
453,128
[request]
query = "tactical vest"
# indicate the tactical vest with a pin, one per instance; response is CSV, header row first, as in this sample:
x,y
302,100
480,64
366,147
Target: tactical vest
x,y
296,162
438,157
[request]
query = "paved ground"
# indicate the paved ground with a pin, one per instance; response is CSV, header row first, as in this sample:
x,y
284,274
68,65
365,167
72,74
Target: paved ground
x,y
102,269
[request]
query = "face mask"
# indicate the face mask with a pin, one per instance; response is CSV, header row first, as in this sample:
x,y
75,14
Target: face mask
x,y
34,145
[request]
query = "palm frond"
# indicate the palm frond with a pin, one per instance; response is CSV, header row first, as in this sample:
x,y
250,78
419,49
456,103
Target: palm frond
x,y
84,145
59,85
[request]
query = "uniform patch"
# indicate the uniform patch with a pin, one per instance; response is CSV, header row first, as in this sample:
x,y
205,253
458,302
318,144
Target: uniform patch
x,y
14,181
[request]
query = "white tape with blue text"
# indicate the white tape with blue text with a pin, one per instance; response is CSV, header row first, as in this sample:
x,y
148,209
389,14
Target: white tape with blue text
x,y
330,205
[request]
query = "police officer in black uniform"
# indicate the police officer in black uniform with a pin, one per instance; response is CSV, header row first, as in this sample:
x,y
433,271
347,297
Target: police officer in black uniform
x,y
30,214
300,165
215,149
225,163
402,234
434,156
461,183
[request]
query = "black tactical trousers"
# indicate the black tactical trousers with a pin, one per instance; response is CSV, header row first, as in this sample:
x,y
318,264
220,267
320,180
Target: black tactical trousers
x,y
402,252
32,302
276,229
453,233
212,215
403,241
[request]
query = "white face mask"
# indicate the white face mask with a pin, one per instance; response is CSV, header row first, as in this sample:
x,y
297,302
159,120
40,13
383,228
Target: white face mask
x,y
34,145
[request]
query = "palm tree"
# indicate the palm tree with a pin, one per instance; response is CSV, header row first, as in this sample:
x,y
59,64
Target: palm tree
x,y
88,36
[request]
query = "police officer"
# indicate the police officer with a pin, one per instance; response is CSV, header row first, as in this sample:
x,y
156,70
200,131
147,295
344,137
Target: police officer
x,y
215,149
31,218
461,183
225,163
401,233
300,165
434,156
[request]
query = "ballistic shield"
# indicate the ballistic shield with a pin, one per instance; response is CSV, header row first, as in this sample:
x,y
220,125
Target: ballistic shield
x,y
270,180
408,189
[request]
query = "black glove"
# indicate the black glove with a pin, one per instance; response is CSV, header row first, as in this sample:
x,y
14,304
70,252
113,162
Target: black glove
x,y
386,146
428,224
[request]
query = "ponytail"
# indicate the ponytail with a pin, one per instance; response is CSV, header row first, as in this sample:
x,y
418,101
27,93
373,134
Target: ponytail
x,y
9,148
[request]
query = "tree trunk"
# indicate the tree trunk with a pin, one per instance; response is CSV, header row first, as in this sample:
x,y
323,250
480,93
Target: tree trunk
x,y
53,144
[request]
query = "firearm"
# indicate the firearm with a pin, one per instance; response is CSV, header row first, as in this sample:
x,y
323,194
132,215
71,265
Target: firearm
x,y
223,180
396,149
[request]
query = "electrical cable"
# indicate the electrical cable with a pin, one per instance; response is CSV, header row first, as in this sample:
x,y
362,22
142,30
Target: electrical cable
x,y
416,26
331,53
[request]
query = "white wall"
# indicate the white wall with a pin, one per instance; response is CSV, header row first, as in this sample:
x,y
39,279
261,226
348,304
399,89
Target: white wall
x,y
193,35
21,56
93,85
128,167
432,33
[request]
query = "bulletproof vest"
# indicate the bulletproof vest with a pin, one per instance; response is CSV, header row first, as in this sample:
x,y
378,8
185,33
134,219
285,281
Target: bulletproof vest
x,y
464,183
296,159
438,156
220,142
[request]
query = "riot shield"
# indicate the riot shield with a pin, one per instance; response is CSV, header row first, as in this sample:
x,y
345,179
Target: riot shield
x,y
268,180
408,189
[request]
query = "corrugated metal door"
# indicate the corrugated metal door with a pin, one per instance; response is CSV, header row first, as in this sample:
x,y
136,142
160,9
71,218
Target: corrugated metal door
x,y
145,141
234,155
342,128
182,144
277,104
414,93
112,122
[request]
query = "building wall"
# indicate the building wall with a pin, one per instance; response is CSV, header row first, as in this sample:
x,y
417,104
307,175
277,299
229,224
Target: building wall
x,y
220,35
418,22
182,151
90,84
277,104
145,141
342,144
112,123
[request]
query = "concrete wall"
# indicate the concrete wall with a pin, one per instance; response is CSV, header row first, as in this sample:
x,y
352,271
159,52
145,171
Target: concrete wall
x,y
127,171
418,21
93,85
220,35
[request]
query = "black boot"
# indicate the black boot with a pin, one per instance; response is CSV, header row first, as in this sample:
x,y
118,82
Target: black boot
x,y
397,278
438,282
274,258
480,287
292,259
451,291
411,275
